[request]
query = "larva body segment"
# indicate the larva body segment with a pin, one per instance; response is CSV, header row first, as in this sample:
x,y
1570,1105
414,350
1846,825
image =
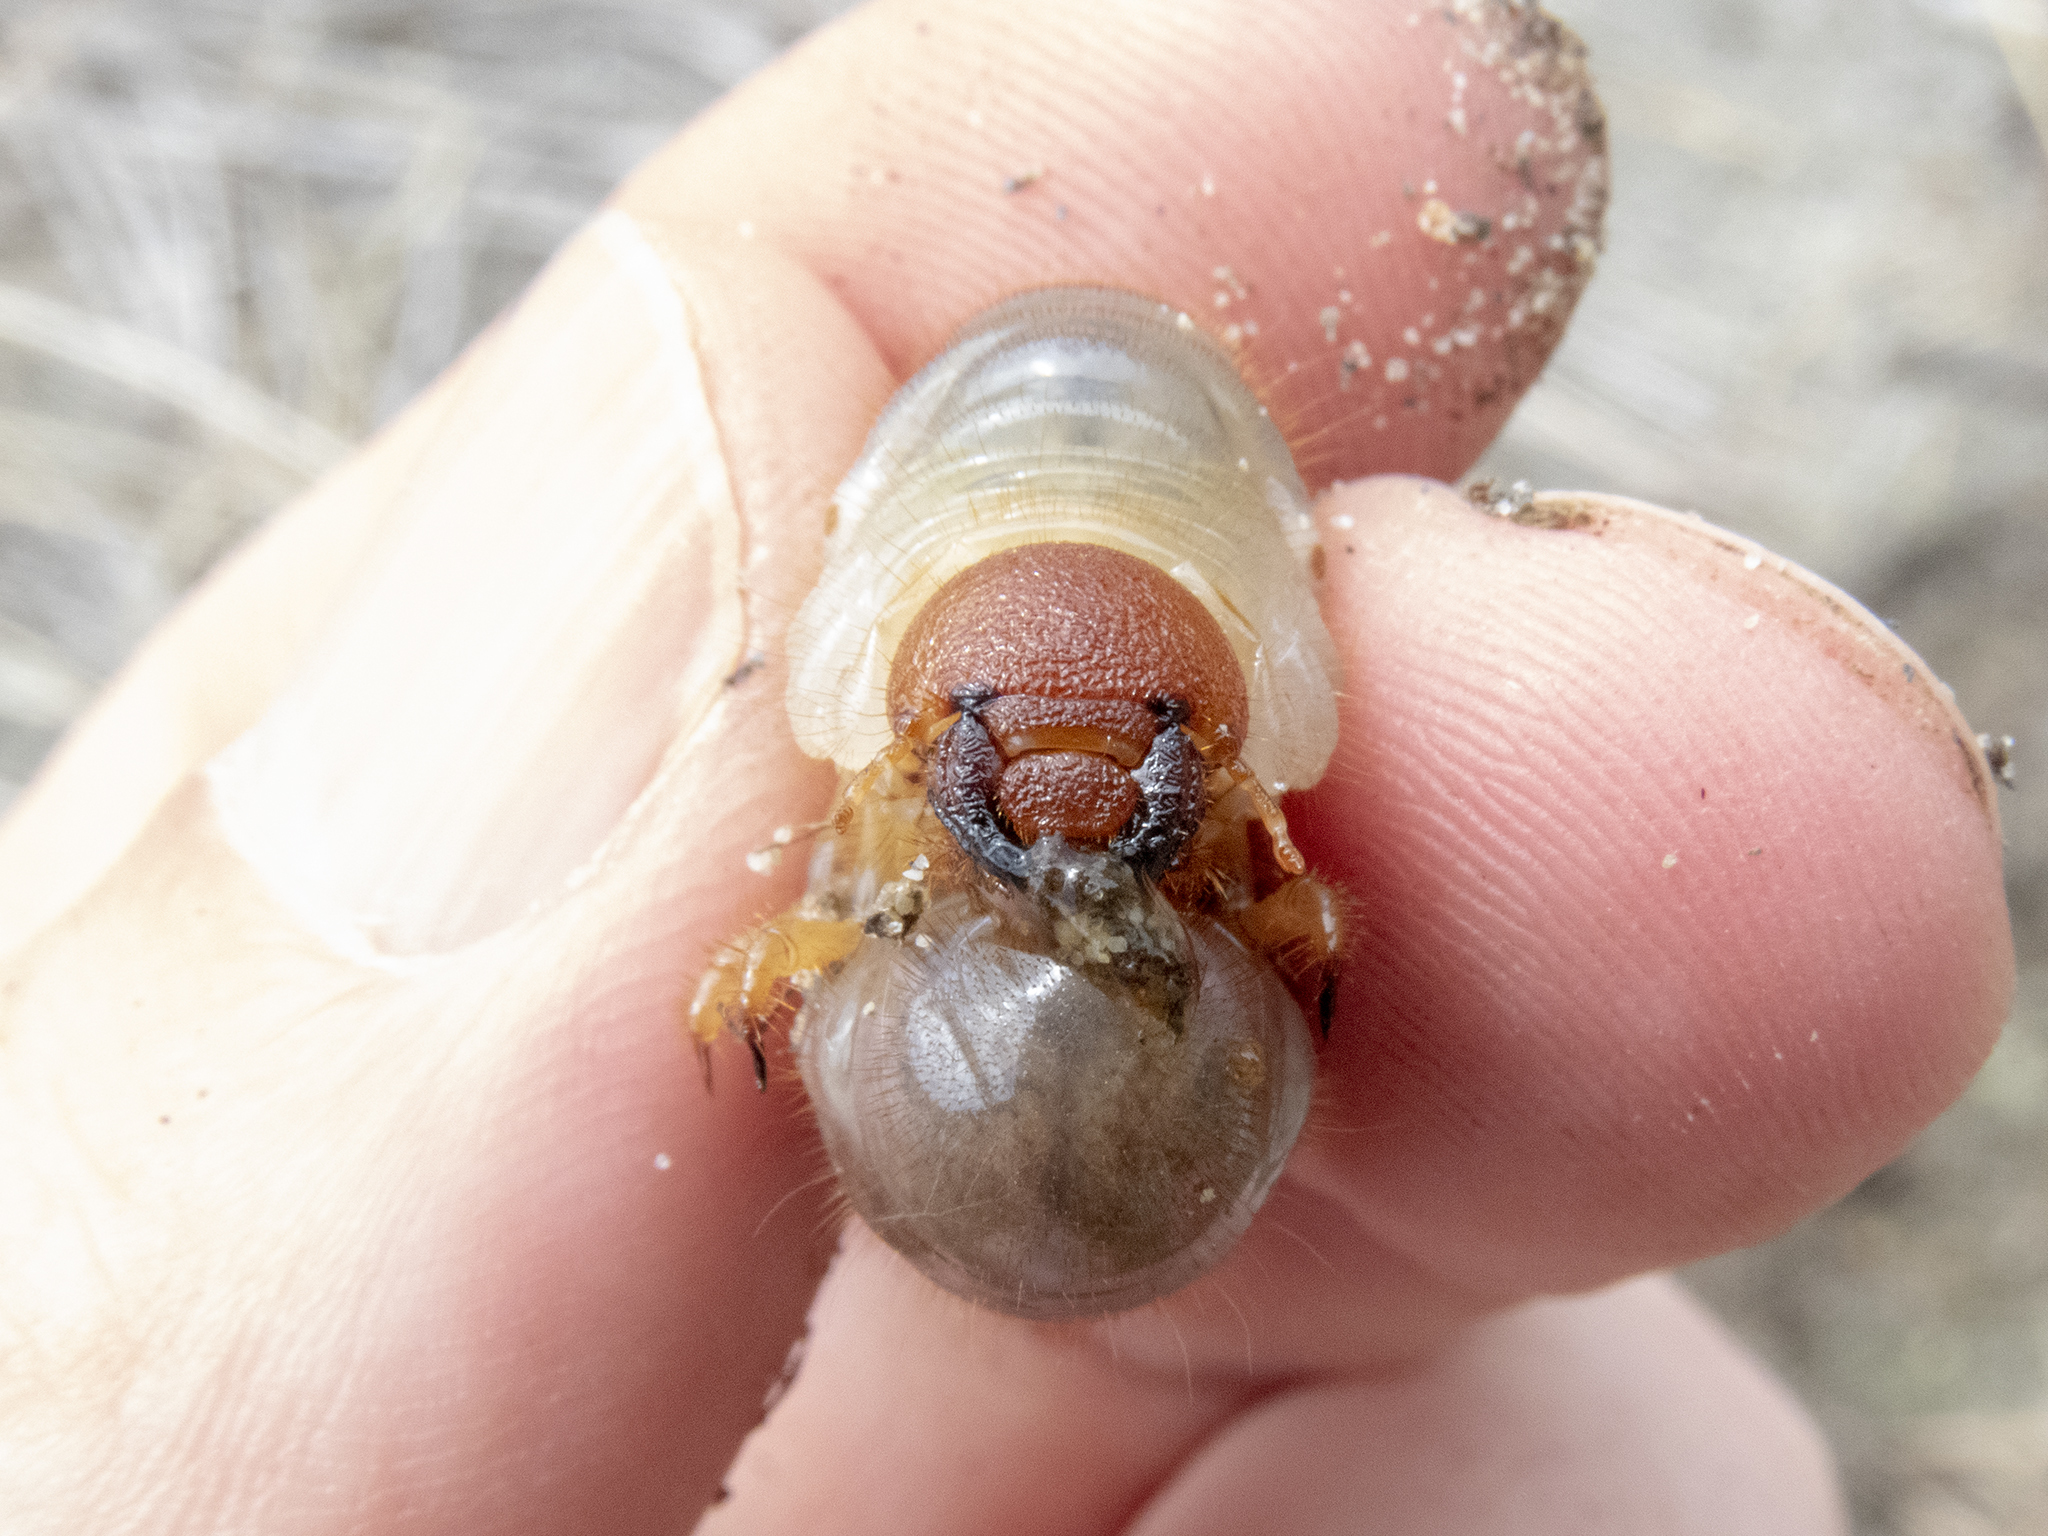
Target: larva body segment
x,y
1083,415
1047,982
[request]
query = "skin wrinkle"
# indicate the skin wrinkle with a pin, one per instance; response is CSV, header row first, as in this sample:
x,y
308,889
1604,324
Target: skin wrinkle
x,y
1172,1471
781,569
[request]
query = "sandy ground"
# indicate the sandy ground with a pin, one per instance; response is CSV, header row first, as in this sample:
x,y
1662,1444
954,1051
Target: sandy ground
x,y
236,235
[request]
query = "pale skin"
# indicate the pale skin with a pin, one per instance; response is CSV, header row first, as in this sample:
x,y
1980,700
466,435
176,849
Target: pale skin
x,y
301,1237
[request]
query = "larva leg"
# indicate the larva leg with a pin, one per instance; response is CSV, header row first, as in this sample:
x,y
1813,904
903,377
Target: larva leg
x,y
757,982
1299,929
894,772
1270,817
1244,867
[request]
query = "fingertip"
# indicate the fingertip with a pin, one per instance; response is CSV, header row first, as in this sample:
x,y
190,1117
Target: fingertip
x,y
1388,228
1678,909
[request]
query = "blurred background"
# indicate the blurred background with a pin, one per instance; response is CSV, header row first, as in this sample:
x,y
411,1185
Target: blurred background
x,y
236,235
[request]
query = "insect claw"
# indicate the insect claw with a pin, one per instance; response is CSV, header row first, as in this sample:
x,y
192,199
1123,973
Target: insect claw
x,y
760,1062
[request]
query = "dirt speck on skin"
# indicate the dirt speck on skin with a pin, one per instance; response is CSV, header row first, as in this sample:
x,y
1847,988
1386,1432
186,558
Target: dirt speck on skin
x,y
1998,756
1570,514
1526,508
1441,223
1354,360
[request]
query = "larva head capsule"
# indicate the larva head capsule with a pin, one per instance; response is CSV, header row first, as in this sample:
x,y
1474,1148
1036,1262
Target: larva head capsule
x,y
1070,689
1065,627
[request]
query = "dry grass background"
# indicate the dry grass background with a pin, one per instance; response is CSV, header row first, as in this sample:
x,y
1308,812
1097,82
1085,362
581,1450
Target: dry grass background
x,y
237,234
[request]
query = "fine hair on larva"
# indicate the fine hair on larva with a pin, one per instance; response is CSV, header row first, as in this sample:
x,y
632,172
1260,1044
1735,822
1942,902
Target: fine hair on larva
x,y
1080,415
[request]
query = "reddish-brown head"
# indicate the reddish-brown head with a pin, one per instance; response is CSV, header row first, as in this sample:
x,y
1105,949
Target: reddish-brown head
x,y
1068,621
1073,655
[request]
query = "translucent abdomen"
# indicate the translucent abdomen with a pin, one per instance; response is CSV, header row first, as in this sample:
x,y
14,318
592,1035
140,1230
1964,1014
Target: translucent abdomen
x,y
1083,415
1058,1101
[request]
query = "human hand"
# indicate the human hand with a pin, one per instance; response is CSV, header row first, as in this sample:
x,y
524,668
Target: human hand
x,y
359,1176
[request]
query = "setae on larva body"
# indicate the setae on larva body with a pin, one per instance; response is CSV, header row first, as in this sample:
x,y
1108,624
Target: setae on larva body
x,y
1046,985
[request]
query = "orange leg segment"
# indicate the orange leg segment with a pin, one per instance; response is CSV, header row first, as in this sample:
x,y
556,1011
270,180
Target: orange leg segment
x,y
758,981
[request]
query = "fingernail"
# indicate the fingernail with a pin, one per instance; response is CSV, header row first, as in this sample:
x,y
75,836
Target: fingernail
x,y
557,600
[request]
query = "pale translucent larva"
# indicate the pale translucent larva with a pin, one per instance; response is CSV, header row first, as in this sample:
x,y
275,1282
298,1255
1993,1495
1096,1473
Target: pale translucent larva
x,y
1082,414
1059,1076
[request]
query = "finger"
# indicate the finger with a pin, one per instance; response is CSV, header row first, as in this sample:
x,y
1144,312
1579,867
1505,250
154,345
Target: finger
x,y
356,1089
1632,1403
1386,211
1675,911
906,1418
1677,889
915,1411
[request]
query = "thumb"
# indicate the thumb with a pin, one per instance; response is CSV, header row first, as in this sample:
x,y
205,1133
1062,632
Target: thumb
x,y
346,1113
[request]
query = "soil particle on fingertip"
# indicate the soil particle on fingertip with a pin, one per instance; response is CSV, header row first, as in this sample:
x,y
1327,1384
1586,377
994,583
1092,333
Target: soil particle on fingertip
x,y
1354,360
1998,757
1510,501
1452,227
1519,503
